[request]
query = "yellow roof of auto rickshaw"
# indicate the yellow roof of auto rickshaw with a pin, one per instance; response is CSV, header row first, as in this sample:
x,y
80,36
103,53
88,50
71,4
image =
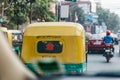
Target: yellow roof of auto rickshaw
x,y
53,28
3,29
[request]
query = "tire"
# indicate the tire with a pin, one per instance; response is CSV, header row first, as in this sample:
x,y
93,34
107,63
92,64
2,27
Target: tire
x,y
107,58
88,52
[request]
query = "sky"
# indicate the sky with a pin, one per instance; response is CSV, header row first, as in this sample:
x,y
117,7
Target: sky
x,y
113,5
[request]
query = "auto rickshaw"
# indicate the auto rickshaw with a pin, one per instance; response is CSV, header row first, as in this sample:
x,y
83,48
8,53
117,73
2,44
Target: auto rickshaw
x,y
64,41
8,35
16,40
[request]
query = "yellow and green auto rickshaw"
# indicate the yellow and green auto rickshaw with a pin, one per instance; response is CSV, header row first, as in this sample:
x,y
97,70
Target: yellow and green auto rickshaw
x,y
16,40
8,35
64,41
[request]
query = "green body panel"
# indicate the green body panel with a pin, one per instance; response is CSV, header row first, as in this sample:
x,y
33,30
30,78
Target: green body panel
x,y
17,49
31,67
78,68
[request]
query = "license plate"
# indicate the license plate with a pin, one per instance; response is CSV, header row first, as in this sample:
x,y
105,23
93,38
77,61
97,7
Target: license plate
x,y
97,43
107,50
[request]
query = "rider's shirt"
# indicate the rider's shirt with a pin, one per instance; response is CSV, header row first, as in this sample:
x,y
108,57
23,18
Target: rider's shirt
x,y
108,39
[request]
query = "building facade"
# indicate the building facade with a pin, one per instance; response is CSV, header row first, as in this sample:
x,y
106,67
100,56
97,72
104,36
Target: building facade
x,y
89,7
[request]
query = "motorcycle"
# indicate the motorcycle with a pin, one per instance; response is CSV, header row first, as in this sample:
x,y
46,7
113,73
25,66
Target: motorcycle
x,y
108,52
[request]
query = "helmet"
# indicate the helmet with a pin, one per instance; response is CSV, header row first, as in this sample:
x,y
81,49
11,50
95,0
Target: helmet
x,y
108,32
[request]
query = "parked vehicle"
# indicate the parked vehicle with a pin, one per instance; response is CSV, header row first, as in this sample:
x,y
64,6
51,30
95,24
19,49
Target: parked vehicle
x,y
95,44
64,41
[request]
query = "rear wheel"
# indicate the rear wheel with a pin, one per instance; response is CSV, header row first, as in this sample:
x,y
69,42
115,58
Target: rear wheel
x,y
107,59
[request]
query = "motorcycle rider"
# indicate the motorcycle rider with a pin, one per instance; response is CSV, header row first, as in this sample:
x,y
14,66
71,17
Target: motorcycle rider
x,y
108,39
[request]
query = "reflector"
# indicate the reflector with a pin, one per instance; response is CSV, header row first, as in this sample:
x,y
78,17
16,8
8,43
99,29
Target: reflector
x,y
50,46
107,45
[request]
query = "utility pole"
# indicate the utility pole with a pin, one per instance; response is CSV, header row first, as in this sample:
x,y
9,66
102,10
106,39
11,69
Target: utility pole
x,y
72,12
30,12
2,10
31,2
58,6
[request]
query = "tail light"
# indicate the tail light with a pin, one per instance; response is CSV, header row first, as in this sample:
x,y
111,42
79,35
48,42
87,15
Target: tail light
x,y
89,42
102,43
107,45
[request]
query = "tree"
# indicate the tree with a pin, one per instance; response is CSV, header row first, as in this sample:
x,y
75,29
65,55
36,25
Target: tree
x,y
76,12
112,20
81,15
42,12
16,12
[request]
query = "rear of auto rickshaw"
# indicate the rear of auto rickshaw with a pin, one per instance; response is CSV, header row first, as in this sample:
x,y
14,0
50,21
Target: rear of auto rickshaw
x,y
16,40
64,41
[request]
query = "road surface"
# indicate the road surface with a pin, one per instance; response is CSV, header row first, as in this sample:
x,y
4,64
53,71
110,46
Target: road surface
x,y
97,63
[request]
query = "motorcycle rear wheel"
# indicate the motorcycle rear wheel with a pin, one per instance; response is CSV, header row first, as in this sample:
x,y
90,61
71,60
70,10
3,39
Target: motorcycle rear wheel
x,y
107,59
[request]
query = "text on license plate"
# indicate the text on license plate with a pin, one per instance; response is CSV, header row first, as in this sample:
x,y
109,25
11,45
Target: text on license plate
x,y
107,50
97,43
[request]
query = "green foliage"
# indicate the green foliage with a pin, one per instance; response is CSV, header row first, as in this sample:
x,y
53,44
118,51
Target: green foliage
x,y
18,12
81,15
112,20
50,17
41,11
19,19
53,1
78,12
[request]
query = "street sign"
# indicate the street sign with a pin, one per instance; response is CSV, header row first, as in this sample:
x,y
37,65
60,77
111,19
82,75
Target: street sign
x,y
64,11
71,0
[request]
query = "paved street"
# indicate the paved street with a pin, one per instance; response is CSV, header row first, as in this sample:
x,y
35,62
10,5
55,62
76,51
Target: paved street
x,y
97,63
